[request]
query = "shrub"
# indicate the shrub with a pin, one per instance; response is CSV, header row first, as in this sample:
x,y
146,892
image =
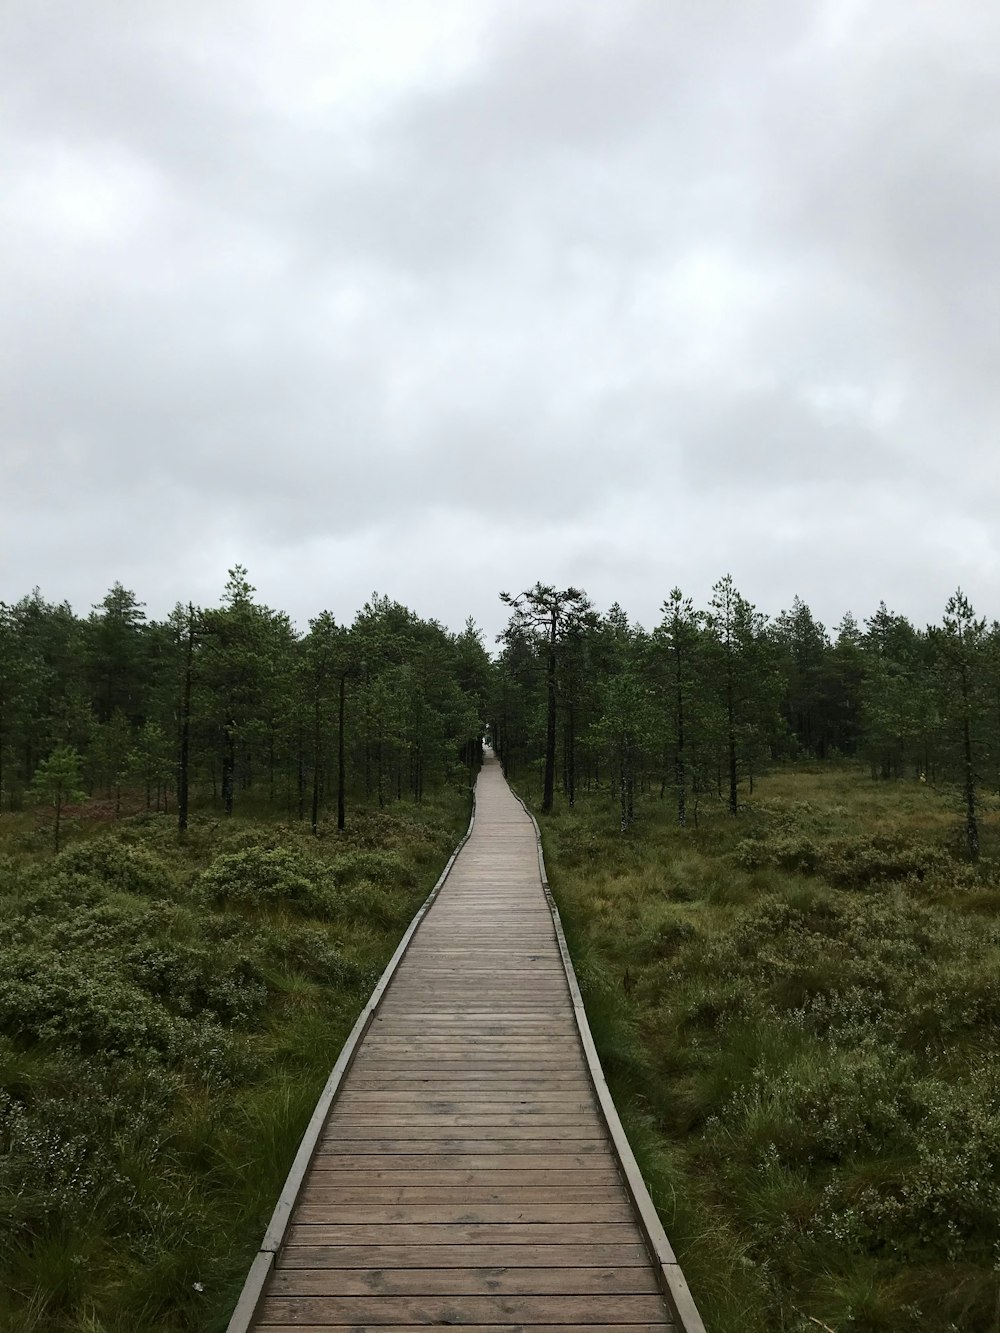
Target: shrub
x,y
313,953
264,876
859,862
371,903
193,980
78,1002
118,866
385,869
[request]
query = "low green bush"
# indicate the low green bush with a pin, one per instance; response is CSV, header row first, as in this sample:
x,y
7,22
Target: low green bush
x,y
259,877
128,869
384,869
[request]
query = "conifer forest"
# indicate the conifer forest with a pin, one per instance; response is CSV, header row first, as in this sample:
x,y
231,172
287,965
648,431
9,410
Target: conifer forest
x,y
774,844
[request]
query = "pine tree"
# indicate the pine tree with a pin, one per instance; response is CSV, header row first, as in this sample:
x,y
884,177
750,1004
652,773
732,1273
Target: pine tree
x,y
57,782
960,646
544,609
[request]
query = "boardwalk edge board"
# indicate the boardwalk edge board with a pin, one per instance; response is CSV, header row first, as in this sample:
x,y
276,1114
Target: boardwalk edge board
x,y
260,1269
674,1284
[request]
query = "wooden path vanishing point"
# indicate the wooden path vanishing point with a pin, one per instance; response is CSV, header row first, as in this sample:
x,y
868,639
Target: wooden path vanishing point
x,y
466,1167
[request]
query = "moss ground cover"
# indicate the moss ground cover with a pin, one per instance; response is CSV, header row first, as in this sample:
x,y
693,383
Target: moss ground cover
x,y
798,1013
168,1016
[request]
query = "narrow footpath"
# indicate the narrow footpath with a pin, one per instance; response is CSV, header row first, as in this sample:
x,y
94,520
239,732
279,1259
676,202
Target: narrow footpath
x,y
465,1177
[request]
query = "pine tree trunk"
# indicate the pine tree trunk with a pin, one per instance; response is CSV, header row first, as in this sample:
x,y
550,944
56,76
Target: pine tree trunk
x,y
340,753
731,740
971,822
550,724
680,773
183,765
571,757
228,770
315,791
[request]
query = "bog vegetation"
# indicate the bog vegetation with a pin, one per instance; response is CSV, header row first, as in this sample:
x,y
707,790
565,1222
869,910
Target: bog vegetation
x,y
774,847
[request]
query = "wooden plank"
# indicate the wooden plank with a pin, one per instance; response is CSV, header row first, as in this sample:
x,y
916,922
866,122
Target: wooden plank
x,y
331,1147
461,1127
438,1310
353,1126
480,1079
529,1044
372,1099
463,1328
463,1233
502,1280
464,1214
532,1162
387,1257
318,1190
447,1178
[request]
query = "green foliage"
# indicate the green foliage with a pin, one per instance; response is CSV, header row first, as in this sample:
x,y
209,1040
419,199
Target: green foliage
x,y
858,862
262,877
116,865
57,782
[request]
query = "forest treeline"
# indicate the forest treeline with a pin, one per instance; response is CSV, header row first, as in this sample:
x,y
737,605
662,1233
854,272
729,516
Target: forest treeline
x,y
230,704
696,707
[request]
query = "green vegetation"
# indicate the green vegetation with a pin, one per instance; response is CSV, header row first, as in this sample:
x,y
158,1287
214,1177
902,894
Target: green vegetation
x,y
230,705
797,1012
702,705
168,1015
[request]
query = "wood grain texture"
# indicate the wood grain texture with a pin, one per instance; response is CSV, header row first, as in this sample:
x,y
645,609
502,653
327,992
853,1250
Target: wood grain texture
x,y
502,1280
334,1311
465,1328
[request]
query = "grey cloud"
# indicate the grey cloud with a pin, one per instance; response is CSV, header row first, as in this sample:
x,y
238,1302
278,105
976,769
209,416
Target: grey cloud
x,y
627,296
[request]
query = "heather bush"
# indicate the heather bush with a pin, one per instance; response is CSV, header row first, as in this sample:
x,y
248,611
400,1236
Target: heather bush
x,y
259,877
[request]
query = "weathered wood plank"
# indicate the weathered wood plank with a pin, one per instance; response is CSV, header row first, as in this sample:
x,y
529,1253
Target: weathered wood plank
x,y
465,1328
447,1178
353,1126
532,1162
388,1257
463,1233
467,1214
371,1100
318,1190
438,1310
332,1146
502,1280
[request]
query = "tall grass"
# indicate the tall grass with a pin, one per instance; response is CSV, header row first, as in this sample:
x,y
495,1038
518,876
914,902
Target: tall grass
x,y
797,1010
168,1016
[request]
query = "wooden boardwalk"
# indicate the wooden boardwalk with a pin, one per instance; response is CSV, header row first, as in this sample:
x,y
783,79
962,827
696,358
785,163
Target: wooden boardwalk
x,y
465,1176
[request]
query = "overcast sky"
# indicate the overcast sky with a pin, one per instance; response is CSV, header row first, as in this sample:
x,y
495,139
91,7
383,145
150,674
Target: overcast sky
x,y
442,298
